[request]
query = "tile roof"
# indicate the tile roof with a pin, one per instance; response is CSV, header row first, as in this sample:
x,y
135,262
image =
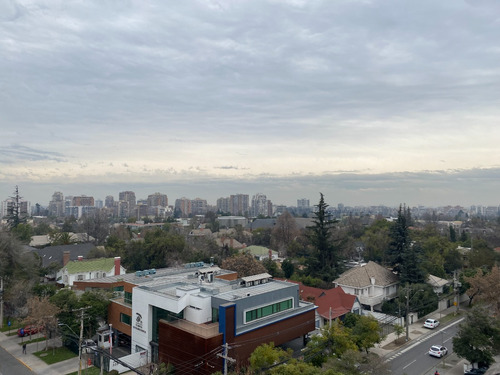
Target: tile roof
x,y
335,299
54,254
361,276
87,265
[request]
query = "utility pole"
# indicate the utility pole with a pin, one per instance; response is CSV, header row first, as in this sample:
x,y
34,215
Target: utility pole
x,y
407,312
1,302
226,357
80,344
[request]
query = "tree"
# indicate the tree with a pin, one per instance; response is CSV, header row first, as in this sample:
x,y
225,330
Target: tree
x,y
266,355
96,225
325,258
42,313
96,303
478,337
376,240
23,232
354,362
398,330
484,286
284,232
334,340
453,234
366,332
14,215
288,268
244,265
61,238
405,257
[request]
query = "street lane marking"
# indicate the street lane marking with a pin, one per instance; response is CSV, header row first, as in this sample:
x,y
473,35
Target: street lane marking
x,y
412,362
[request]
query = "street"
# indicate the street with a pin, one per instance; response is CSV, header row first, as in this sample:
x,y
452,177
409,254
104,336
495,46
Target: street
x,y
415,360
11,366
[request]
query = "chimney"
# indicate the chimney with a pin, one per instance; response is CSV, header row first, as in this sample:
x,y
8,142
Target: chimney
x,y
65,258
117,265
80,258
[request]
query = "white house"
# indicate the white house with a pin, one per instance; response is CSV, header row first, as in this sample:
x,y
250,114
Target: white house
x,y
371,283
89,269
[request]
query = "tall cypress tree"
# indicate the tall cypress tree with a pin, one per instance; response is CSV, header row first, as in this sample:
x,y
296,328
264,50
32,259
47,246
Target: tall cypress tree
x,y
325,260
404,256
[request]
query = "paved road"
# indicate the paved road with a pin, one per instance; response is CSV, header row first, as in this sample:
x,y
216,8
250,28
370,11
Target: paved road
x,y
415,359
11,366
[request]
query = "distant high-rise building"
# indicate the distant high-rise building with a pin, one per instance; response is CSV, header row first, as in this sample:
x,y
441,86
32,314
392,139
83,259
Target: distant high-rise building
x,y
8,208
223,205
109,201
129,197
239,204
279,209
157,199
99,203
303,203
199,206
183,205
261,205
82,200
56,205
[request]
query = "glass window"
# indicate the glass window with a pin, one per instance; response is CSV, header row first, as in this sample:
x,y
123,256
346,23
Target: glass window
x,y
264,311
126,319
128,297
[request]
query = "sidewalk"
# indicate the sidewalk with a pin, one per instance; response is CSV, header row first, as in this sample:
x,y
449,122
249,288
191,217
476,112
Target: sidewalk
x,y
35,364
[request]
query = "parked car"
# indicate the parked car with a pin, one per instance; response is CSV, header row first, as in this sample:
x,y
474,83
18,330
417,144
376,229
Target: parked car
x,y
28,330
438,351
476,371
88,346
431,323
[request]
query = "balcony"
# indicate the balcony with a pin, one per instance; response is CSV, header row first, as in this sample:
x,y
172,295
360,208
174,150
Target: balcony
x,y
203,330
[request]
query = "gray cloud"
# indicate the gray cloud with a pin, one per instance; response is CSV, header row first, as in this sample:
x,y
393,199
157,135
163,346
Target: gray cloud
x,y
266,86
18,154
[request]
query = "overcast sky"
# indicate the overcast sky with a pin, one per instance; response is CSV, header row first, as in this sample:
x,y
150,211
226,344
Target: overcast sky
x,y
369,102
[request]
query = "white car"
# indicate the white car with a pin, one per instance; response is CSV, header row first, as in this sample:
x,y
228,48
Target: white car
x,y
438,351
431,323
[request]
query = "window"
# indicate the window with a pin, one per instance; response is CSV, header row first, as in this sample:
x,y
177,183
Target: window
x,y
128,297
118,288
264,311
126,319
215,314
80,277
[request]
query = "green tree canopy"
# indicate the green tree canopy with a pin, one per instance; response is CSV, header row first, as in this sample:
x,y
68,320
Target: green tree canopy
x,y
478,338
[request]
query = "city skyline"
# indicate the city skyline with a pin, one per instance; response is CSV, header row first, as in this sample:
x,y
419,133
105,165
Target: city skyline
x,y
369,103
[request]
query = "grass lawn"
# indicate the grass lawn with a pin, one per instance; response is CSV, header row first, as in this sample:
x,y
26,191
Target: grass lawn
x,y
43,338
89,371
55,355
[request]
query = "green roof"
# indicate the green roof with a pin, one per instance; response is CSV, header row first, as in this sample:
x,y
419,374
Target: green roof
x,y
258,250
88,265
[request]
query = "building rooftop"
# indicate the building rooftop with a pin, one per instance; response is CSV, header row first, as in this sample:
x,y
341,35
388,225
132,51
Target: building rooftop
x,y
366,275
88,265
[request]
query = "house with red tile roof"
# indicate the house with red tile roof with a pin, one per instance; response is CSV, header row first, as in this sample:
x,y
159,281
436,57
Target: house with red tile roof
x,y
332,303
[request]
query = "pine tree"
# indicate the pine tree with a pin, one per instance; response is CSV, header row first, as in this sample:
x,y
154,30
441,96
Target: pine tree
x,y
14,211
405,256
325,260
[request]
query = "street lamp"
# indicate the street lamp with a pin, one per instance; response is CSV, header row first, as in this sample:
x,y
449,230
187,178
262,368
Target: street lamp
x,y
408,309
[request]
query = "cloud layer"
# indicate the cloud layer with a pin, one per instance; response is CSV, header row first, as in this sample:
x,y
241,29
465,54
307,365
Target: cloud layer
x,y
251,92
